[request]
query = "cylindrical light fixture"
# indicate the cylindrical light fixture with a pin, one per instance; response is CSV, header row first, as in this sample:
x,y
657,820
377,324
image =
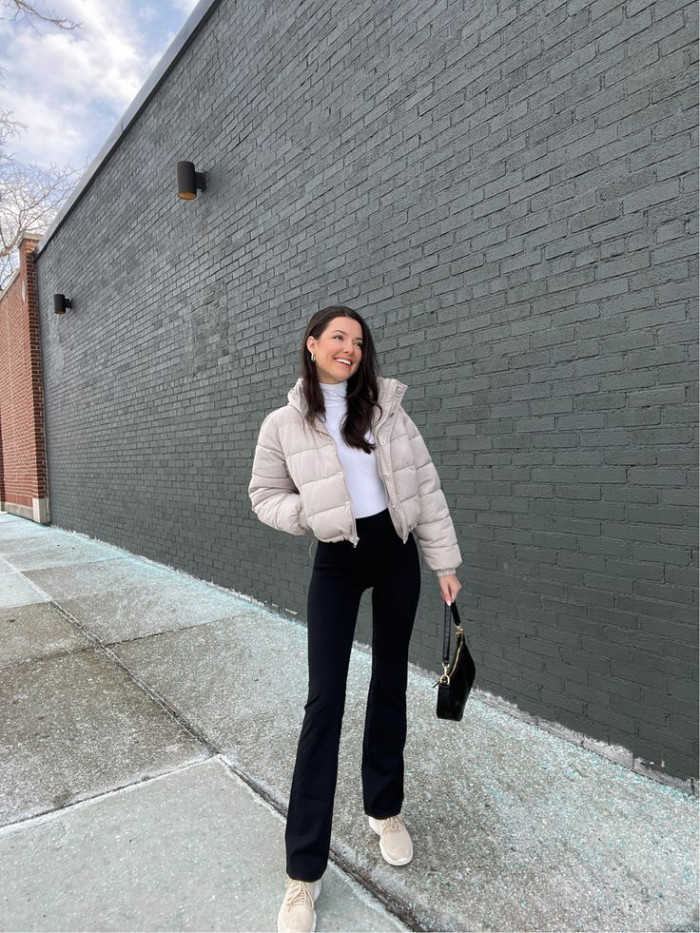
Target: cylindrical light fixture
x,y
60,303
189,181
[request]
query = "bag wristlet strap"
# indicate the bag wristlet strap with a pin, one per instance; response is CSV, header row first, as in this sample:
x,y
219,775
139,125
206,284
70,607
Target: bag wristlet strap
x,y
445,678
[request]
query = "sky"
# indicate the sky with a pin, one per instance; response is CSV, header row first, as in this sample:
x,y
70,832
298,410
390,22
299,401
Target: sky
x,y
71,87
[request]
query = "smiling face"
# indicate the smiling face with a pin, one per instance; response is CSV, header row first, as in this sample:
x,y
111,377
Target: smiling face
x,y
338,350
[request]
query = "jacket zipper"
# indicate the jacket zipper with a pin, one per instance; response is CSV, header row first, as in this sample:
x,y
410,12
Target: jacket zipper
x,y
345,481
386,493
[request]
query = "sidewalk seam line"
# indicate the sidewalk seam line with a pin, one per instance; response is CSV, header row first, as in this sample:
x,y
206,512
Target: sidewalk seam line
x,y
391,904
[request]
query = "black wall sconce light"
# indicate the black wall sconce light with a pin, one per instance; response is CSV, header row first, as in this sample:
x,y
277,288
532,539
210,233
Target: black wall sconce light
x,y
189,182
60,303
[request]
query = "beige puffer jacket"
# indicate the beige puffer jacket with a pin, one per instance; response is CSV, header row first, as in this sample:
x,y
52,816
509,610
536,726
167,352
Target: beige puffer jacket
x,y
298,482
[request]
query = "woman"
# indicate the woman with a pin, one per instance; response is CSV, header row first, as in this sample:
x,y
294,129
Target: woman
x,y
344,461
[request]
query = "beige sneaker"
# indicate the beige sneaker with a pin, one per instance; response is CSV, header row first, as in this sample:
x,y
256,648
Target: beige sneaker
x,y
394,841
297,914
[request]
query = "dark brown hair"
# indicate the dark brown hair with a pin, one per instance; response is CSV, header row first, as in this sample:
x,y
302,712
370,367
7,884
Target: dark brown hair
x,y
362,391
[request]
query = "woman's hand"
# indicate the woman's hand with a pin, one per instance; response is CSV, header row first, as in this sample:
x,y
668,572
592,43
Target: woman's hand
x,y
449,587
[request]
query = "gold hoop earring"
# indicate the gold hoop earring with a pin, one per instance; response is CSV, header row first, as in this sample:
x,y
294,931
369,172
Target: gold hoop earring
x,y
313,358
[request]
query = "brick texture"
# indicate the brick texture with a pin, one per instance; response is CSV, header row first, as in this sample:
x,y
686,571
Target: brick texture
x,y
508,192
23,480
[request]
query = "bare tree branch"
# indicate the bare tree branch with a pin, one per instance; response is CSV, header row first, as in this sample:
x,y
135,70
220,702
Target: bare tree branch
x,y
8,127
30,198
25,11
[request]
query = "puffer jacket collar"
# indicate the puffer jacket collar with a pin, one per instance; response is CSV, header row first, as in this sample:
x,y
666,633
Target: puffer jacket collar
x,y
391,391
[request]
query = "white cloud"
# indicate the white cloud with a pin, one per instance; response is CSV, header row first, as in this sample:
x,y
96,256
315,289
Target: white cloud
x,y
53,136
71,87
185,6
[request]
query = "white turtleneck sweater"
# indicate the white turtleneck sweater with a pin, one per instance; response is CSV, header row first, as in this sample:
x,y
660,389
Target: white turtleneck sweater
x,y
366,490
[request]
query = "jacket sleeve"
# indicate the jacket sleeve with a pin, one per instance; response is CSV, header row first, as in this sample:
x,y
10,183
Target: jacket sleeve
x,y
435,530
274,497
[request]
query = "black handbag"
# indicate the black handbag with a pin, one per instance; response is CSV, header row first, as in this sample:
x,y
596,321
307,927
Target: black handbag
x,y
458,674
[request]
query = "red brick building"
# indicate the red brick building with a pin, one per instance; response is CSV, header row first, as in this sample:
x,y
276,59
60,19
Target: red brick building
x,y
23,479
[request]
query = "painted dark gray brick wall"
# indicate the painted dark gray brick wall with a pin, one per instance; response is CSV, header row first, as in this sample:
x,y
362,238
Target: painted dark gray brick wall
x,y
508,192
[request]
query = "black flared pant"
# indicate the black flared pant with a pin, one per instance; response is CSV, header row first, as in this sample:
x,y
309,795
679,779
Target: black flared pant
x,y
341,574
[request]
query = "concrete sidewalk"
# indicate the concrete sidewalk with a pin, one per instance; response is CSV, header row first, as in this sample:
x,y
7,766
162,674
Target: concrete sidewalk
x,y
147,741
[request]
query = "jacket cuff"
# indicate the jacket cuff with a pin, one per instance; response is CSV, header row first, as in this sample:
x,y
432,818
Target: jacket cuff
x,y
445,573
